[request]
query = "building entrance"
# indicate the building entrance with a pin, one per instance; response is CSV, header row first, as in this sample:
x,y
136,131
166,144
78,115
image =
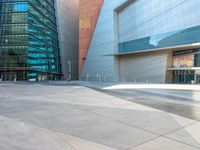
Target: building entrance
x,y
8,76
198,76
184,76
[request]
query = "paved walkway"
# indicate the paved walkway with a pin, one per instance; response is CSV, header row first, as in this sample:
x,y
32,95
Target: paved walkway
x,y
183,100
60,117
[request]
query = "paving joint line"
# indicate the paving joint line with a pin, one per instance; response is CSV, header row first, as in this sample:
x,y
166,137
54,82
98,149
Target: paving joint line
x,y
54,130
163,135
51,130
158,135
112,93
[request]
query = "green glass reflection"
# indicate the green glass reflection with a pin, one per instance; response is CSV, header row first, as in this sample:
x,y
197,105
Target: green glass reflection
x,y
28,39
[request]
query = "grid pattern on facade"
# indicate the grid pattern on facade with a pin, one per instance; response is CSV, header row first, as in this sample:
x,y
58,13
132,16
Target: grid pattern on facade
x,y
28,40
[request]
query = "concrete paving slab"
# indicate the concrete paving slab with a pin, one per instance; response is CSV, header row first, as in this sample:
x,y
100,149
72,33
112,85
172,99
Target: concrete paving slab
x,y
92,127
194,131
164,144
43,116
156,122
182,120
68,119
184,136
81,144
17,135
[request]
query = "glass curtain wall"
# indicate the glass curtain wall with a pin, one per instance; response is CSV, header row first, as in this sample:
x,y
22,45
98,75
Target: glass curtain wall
x,y
28,40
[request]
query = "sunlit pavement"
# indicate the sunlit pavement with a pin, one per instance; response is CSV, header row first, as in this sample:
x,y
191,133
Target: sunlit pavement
x,y
183,91
183,100
70,116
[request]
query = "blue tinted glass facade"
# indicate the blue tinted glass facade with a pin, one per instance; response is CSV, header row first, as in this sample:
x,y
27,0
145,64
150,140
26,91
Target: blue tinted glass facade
x,y
176,38
28,40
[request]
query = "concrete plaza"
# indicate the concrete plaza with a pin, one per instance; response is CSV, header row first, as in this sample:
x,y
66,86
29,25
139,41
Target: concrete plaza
x,y
49,116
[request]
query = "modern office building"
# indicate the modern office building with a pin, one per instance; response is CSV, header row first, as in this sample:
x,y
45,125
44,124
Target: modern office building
x,y
140,41
29,47
38,39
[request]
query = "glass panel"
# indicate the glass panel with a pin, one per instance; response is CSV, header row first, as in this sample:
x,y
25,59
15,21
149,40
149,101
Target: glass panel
x,y
29,39
175,38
